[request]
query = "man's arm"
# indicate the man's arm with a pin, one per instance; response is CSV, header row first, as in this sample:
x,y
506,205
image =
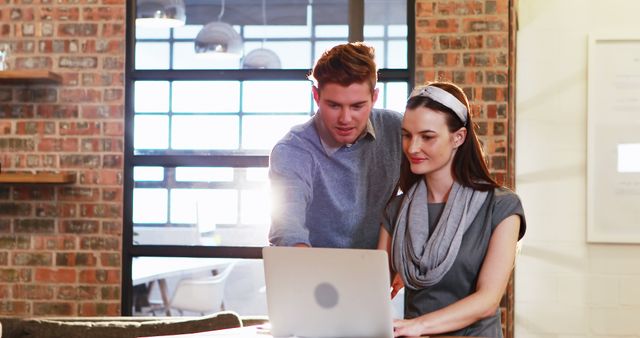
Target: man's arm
x,y
290,173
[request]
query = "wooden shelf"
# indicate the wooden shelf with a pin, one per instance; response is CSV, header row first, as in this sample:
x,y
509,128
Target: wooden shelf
x,y
29,77
29,178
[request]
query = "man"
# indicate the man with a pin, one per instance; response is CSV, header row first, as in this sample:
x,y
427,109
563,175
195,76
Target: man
x,y
333,175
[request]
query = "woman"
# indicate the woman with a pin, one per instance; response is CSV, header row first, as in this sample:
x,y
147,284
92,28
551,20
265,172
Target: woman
x,y
452,233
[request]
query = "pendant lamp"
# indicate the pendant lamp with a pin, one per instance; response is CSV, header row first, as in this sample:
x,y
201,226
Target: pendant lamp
x,y
160,13
218,38
262,58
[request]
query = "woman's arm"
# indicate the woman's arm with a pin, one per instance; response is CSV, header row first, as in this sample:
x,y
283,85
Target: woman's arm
x,y
492,281
384,243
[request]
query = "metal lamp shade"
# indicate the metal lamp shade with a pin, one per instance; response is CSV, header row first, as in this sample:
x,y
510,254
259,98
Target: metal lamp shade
x,y
261,58
160,13
218,37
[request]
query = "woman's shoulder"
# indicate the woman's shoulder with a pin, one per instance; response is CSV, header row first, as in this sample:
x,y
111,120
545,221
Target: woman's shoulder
x,y
506,203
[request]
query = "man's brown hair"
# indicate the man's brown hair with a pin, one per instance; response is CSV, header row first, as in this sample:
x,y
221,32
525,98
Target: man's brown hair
x,y
346,64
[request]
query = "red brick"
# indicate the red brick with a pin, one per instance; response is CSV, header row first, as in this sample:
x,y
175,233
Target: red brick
x,y
99,276
57,111
58,145
54,308
110,259
4,291
99,309
6,128
103,210
76,259
32,291
103,177
63,275
112,194
110,292
14,308
32,259
113,128
35,128
112,228
80,96
9,275
56,209
103,14
101,112
22,193
80,226
58,242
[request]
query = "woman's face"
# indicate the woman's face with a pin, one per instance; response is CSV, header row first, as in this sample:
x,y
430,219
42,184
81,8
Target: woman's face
x,y
427,142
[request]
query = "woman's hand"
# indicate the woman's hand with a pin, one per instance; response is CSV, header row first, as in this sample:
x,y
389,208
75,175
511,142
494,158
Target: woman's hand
x,y
407,327
396,285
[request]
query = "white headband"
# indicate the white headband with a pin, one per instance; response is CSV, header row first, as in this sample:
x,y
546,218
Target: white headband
x,y
445,98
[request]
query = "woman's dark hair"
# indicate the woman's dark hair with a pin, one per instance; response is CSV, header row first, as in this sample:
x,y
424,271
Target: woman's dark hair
x,y
469,168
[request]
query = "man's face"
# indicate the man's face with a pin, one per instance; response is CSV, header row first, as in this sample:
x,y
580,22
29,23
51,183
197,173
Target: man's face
x,y
344,111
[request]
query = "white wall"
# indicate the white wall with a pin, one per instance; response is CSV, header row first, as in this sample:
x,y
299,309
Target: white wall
x,y
564,286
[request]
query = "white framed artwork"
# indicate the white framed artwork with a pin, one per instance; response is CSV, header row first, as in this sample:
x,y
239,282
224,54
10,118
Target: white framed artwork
x,y
613,140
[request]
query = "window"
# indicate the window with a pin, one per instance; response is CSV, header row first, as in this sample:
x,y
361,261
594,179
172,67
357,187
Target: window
x,y
200,126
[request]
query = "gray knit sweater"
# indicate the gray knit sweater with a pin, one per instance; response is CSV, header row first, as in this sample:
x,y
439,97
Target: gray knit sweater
x,y
333,200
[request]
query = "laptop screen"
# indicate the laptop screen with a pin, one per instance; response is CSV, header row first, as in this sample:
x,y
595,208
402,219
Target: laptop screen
x,y
322,292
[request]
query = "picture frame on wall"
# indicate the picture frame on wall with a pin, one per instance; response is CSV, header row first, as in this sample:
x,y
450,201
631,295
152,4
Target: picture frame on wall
x,y
613,140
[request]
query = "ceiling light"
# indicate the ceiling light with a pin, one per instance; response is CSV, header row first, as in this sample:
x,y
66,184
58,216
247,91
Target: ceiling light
x,y
261,58
160,13
218,37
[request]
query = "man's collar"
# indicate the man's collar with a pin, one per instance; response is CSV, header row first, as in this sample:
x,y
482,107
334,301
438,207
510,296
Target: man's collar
x,y
328,148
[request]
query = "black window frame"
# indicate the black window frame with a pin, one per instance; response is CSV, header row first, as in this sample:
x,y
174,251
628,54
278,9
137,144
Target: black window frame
x,y
129,250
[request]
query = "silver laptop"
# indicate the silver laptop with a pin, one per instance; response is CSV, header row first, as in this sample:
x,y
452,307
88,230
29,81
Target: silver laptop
x,y
320,292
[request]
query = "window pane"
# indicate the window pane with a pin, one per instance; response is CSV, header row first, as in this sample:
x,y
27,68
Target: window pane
x,y
151,96
392,95
148,173
396,96
152,55
196,174
332,31
204,132
186,31
373,31
262,132
279,31
151,132
258,174
277,96
398,31
380,52
206,96
149,205
151,33
397,54
207,208
322,46
255,207
185,57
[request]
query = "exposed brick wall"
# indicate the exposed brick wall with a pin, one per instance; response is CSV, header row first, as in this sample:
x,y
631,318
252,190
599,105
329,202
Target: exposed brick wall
x,y
468,42
60,245
472,43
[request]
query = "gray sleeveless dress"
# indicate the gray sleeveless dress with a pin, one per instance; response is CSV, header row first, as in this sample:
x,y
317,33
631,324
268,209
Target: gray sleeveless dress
x,y
461,279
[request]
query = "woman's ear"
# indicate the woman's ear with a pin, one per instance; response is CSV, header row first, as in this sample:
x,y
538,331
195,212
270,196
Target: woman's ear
x,y
459,136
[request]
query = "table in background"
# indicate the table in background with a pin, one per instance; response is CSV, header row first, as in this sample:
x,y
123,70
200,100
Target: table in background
x,y
146,270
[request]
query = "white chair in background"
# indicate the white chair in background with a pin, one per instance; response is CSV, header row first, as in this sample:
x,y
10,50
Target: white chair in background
x,y
201,295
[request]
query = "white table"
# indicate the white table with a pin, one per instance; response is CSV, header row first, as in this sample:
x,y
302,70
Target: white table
x,y
150,269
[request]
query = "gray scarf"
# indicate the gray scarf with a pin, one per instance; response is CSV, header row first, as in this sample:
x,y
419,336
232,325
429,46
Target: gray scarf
x,y
423,262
